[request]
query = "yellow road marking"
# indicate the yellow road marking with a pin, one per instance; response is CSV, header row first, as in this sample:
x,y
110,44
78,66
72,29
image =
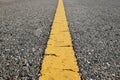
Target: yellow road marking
x,y
59,62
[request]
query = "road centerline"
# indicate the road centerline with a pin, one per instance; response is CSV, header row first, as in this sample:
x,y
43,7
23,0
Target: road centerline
x,y
59,62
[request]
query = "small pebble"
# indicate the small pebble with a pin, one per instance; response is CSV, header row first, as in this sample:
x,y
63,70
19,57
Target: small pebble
x,y
108,64
33,49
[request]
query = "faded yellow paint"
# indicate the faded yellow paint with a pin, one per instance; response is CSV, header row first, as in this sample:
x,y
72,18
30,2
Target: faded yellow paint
x,y
59,62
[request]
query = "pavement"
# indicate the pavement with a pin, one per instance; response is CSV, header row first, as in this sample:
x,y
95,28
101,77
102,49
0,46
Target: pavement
x,y
24,31
95,30
25,27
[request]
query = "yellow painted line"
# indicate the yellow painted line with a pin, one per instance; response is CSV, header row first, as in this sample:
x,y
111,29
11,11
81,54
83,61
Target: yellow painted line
x,y
59,62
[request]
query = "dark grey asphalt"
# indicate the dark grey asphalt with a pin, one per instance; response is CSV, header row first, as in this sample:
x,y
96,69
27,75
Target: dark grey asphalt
x,y
95,30
94,27
24,30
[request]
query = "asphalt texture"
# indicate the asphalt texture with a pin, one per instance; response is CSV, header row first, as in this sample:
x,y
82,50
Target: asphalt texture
x,y
24,31
95,31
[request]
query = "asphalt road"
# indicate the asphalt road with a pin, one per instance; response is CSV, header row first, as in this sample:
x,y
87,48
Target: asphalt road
x,y
24,31
95,30
94,26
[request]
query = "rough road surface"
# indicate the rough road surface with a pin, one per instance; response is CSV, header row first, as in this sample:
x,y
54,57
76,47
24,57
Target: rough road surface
x,y
94,26
95,30
24,30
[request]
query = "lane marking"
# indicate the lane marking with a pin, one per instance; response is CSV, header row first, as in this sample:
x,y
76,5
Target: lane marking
x,y
59,62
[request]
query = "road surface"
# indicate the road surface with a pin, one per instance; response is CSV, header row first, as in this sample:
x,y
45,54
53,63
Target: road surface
x,y
24,30
25,27
95,30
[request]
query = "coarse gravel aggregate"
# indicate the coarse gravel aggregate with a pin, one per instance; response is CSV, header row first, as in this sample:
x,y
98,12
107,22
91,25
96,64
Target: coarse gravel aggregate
x,y
24,31
95,31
